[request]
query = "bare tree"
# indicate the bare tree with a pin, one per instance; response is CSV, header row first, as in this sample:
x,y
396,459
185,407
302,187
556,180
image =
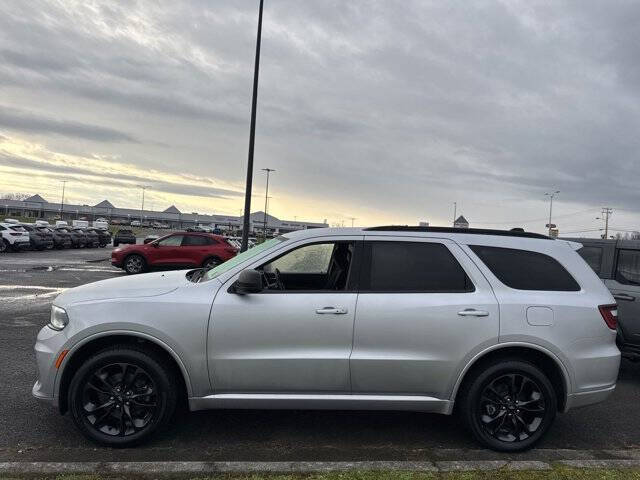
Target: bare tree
x,y
15,196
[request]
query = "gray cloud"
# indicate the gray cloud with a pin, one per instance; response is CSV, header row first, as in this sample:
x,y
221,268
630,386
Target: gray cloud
x,y
385,107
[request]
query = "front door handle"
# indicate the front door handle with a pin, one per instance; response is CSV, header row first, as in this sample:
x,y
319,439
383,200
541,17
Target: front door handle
x,y
331,311
624,296
472,312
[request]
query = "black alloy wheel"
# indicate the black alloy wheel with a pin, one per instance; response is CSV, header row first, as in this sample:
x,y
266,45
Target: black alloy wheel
x,y
120,396
510,406
4,246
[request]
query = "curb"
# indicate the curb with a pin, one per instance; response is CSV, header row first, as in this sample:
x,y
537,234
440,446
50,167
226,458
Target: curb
x,y
294,467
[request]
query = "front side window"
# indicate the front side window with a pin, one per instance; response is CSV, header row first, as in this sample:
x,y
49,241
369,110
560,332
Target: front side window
x,y
628,268
397,267
526,270
315,267
172,241
593,257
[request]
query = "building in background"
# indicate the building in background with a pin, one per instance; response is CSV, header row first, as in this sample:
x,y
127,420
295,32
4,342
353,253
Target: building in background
x,y
461,222
37,207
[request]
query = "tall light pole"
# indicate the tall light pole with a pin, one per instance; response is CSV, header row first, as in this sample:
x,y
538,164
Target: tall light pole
x,y
266,198
143,187
352,220
64,182
252,136
455,209
606,212
551,195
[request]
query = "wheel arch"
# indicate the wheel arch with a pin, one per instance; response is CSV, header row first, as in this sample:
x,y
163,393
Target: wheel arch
x,y
94,343
549,363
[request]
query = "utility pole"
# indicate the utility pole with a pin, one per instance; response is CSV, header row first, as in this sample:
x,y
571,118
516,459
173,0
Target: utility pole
x,y
252,136
455,209
143,187
64,183
551,195
266,198
352,220
606,212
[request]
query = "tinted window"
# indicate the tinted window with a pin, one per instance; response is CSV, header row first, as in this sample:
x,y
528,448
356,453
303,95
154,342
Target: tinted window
x,y
593,257
195,240
628,269
172,241
526,270
413,267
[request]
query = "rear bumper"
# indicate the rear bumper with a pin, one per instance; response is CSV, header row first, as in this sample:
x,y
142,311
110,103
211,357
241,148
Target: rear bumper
x,y
583,399
21,245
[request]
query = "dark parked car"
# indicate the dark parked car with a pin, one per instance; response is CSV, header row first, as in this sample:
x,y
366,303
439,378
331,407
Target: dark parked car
x,y
59,240
617,263
78,239
124,235
66,239
38,240
92,238
103,236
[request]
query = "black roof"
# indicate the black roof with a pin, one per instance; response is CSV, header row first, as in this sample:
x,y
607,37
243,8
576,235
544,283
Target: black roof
x,y
466,231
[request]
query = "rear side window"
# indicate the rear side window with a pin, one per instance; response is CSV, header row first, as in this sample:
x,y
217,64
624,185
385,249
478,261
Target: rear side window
x,y
628,268
593,257
412,267
195,241
526,270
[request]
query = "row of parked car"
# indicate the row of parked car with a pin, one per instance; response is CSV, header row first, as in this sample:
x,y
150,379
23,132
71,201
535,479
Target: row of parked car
x,y
41,236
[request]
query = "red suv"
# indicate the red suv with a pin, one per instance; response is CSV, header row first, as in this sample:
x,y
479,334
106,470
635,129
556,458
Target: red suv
x,y
176,250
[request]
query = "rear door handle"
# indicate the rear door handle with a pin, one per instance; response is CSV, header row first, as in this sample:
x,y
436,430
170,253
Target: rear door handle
x,y
624,296
331,311
472,312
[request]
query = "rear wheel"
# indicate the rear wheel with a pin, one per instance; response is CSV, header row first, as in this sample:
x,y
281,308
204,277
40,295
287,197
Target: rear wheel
x,y
4,246
134,264
121,395
509,405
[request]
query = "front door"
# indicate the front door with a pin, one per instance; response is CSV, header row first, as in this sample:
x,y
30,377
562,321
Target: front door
x,y
168,251
296,335
423,308
625,287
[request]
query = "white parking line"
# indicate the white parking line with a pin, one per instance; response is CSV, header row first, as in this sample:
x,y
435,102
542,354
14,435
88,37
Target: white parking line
x,y
44,292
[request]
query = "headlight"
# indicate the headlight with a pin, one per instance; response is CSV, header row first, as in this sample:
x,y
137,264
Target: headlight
x,y
59,318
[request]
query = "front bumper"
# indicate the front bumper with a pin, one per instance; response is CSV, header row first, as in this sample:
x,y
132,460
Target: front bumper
x,y
49,344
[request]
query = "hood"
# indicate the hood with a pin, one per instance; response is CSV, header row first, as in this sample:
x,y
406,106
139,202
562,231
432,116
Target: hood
x,y
133,286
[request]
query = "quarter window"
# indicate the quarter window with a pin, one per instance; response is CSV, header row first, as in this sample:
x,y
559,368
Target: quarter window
x,y
526,270
628,268
593,257
412,267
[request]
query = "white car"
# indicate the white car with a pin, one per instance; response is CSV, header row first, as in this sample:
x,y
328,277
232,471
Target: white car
x,y
13,237
512,327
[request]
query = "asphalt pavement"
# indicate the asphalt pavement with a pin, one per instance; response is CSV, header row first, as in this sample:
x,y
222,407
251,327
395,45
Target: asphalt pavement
x,y
29,431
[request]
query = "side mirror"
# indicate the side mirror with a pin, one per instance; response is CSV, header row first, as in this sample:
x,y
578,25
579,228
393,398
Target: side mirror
x,y
249,281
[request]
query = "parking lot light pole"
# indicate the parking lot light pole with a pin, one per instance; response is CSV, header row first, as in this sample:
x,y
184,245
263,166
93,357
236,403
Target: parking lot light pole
x,y
64,182
551,195
266,198
252,136
143,187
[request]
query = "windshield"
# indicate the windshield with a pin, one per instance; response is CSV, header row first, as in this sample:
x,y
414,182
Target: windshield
x,y
241,257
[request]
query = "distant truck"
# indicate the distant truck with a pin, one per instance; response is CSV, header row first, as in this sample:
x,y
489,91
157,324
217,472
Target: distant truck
x,y
100,224
80,223
61,223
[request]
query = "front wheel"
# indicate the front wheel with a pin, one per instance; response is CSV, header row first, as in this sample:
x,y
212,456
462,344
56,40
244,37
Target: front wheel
x,y
509,405
134,264
4,245
121,395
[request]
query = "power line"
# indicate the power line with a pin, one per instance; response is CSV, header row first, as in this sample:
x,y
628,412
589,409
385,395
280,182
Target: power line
x,y
538,219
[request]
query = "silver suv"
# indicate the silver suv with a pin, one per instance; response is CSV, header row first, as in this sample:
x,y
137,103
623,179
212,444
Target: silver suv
x,y
505,327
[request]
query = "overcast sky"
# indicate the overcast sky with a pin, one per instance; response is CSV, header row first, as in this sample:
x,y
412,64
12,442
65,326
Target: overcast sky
x,y
388,111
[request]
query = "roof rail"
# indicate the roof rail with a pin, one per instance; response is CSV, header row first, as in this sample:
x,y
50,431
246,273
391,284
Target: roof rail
x,y
466,231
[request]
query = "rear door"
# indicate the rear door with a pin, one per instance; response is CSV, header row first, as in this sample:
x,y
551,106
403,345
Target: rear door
x,y
625,287
195,248
423,310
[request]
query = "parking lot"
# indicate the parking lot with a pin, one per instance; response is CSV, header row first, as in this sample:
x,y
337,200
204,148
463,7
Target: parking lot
x,y
29,281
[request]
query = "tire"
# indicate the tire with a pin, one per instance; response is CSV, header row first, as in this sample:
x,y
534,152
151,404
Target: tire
x,y
211,262
134,263
115,244
145,400
500,421
4,246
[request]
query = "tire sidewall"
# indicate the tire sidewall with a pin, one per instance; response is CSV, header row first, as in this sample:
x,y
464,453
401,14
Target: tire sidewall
x,y
166,396
471,403
144,263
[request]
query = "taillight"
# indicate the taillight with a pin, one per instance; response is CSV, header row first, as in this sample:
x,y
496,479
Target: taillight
x,y
609,315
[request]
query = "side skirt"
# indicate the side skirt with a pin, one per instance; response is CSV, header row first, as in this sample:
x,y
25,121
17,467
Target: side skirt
x,y
321,402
